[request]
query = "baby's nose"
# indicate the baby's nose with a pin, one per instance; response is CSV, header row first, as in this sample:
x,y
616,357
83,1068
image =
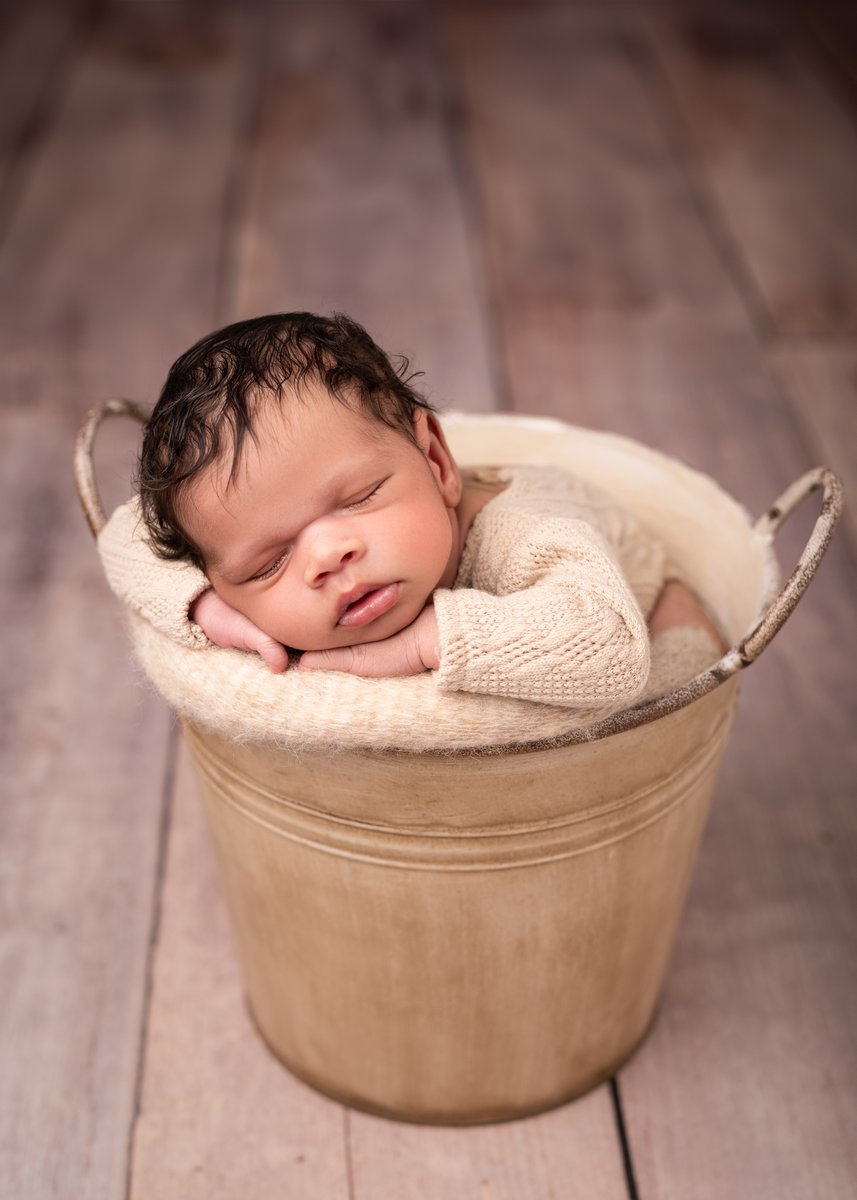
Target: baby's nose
x,y
329,556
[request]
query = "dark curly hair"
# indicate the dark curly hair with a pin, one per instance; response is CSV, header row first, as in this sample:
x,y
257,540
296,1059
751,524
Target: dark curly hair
x,y
209,400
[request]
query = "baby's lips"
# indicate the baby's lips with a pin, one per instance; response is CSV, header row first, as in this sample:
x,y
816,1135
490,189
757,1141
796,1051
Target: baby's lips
x,y
373,603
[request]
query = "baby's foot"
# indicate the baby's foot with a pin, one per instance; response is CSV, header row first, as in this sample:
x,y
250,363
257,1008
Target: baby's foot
x,y
678,608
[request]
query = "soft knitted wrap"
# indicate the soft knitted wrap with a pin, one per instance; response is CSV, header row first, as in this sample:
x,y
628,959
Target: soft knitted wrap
x,y
235,694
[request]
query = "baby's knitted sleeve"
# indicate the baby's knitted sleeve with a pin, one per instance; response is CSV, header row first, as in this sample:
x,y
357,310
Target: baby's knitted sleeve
x,y
547,616
158,590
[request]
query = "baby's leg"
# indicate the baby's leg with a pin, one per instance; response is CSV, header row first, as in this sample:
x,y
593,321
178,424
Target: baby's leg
x,y
684,639
678,608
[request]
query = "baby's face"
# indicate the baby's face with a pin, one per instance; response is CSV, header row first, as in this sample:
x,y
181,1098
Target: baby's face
x,y
336,529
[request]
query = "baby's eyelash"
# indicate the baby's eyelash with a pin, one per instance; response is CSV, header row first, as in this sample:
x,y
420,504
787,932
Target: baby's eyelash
x,y
272,569
368,496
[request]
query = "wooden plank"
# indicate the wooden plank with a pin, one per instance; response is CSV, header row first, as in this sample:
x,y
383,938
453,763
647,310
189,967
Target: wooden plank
x,y
125,121
754,1049
35,46
219,1116
107,265
830,28
779,153
33,42
617,308
570,1151
566,163
353,202
83,754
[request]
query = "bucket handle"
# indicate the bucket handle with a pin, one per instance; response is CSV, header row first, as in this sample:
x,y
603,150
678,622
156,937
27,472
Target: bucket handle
x,y
753,642
775,616
84,469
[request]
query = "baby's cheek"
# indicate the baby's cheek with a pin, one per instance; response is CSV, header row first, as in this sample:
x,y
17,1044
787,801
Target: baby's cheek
x,y
438,557
276,617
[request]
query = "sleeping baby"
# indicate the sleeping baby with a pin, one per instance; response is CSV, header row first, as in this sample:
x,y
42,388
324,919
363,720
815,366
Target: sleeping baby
x,y
299,500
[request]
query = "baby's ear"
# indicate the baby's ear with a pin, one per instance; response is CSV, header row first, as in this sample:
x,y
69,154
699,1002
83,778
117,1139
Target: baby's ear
x,y
431,440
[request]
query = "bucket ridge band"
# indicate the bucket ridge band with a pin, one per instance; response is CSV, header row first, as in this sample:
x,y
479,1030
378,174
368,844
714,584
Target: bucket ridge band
x,y
648,805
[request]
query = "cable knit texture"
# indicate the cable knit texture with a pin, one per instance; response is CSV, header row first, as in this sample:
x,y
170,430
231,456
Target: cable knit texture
x,y
551,596
158,590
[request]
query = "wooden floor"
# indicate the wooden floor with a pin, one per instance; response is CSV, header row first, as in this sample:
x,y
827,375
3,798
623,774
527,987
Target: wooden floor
x,y
635,216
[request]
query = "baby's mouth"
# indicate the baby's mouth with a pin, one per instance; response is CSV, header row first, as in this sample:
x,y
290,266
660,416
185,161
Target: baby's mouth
x,y
366,604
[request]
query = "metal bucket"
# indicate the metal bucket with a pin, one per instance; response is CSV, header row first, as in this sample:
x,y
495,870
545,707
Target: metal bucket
x,y
477,934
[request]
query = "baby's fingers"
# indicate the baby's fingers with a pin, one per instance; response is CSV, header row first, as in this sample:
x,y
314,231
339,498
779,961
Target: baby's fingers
x,y
272,653
242,634
225,626
396,655
342,659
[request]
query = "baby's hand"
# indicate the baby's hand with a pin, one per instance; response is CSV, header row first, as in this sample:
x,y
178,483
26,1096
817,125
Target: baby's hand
x,y
409,652
227,627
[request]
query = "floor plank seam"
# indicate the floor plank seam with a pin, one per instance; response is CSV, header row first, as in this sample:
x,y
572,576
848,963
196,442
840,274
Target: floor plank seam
x,y
154,934
349,1158
627,1160
701,196
35,127
238,186
761,321
453,116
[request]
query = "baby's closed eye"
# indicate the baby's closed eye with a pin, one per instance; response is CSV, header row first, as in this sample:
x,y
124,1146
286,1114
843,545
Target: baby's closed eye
x,y
271,568
363,497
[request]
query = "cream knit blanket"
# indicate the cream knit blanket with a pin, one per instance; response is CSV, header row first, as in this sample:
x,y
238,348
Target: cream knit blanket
x,y
235,694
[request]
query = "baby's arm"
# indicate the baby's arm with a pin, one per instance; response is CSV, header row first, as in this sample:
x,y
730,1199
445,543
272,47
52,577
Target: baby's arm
x,y
163,592
549,618
409,652
415,649
175,597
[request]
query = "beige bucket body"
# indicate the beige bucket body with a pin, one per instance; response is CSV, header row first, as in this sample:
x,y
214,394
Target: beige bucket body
x,y
466,938
475,932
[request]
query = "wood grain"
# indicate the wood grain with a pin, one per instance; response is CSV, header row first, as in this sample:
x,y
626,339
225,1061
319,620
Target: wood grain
x,y
637,220
618,309
352,200
36,45
779,152
108,195
754,1049
584,1141
571,1151
34,41
219,1116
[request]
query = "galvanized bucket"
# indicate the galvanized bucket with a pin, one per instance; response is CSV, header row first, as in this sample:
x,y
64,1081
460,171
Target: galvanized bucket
x,y
475,934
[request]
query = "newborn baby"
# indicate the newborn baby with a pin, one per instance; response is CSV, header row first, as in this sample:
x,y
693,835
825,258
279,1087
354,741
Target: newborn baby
x,y
298,494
